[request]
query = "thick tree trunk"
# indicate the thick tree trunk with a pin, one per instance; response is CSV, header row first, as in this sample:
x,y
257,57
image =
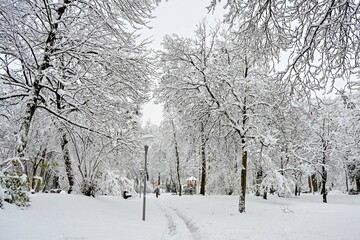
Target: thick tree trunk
x,y
203,161
26,121
67,161
323,184
244,155
313,183
243,183
357,180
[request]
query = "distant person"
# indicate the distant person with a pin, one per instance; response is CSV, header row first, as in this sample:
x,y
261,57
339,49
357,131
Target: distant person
x,y
157,192
126,195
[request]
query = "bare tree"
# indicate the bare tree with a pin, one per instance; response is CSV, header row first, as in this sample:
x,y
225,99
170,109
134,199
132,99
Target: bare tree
x,y
76,61
321,38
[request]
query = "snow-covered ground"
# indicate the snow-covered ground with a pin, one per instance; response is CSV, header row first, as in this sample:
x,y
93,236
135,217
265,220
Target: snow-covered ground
x,y
62,216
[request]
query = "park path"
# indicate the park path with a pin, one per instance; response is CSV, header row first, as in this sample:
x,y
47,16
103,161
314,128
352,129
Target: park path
x,y
179,226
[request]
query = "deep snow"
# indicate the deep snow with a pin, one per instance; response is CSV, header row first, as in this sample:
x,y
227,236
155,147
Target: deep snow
x,y
62,216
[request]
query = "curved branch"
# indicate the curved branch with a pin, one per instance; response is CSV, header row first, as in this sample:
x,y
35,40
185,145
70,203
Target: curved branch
x,y
73,123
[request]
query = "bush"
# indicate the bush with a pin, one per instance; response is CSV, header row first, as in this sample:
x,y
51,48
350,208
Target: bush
x,y
1,196
14,192
13,185
88,187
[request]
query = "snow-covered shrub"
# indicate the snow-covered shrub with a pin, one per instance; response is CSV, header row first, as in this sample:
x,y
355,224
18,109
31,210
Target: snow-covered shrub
x,y
277,181
113,183
1,196
15,191
13,184
88,187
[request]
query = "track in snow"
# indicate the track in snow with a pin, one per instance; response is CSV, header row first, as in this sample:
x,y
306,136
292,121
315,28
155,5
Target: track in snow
x,y
179,226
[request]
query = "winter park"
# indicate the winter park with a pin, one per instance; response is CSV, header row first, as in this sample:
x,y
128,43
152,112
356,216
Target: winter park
x,y
179,119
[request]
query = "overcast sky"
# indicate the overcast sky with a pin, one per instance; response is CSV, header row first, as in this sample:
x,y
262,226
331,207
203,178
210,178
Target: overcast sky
x,y
180,17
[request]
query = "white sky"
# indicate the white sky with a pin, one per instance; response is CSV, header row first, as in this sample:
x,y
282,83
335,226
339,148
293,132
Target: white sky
x,y
180,17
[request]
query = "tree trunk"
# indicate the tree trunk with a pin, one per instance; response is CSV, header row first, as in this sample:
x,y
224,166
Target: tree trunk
x,y
244,155
67,161
258,179
313,183
178,169
357,180
203,161
243,183
32,102
323,183
177,159
346,180
323,170
26,121
37,184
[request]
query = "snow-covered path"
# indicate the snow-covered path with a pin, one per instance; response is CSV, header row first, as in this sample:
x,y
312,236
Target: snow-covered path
x,y
169,217
179,226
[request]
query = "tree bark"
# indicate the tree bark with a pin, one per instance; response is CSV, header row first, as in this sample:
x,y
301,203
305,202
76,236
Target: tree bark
x,y
244,155
243,183
323,170
203,161
312,183
67,161
346,180
177,159
27,119
323,183
258,178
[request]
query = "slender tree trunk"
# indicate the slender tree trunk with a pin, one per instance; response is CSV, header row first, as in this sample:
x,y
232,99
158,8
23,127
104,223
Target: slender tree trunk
x,y
203,161
64,144
323,170
67,161
42,172
346,180
244,155
281,166
177,159
258,179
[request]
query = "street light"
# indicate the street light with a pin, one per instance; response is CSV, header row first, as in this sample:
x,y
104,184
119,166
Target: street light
x,y
146,139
